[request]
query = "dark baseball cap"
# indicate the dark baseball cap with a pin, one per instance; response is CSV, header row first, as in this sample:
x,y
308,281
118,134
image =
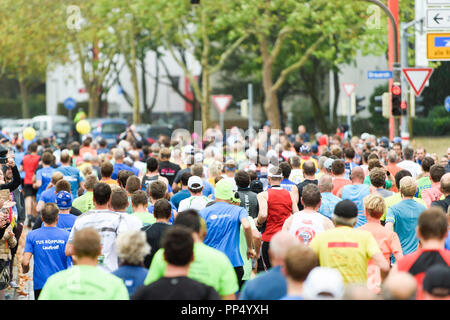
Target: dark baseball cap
x,y
437,280
346,209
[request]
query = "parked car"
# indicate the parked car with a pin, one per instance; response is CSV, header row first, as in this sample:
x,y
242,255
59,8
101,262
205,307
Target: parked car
x,y
150,133
107,128
57,125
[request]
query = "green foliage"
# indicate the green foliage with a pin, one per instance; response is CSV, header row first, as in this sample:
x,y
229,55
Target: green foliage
x,y
437,123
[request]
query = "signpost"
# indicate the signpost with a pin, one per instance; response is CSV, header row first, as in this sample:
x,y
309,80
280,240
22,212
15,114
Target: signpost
x,y
222,102
349,88
417,78
438,18
379,75
70,104
438,46
447,104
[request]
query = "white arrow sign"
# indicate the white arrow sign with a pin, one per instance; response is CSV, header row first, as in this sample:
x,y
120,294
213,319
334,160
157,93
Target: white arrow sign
x,y
417,78
438,19
349,88
222,102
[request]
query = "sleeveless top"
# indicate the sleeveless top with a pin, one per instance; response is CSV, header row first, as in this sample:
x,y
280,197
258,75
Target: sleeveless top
x,y
279,208
305,225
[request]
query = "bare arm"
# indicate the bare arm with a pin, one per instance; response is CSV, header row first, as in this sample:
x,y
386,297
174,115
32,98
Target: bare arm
x,y
69,249
381,262
26,258
287,224
389,225
262,214
248,237
257,241
294,198
40,205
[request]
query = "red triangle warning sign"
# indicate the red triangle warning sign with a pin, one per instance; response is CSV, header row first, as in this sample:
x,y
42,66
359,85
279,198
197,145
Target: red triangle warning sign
x,y
222,102
417,78
349,88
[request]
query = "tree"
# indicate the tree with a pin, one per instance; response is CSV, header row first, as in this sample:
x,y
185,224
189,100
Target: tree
x,y
194,29
27,49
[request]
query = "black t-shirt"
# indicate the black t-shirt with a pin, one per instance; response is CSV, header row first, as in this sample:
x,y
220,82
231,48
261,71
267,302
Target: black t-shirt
x,y
177,288
444,204
169,170
154,235
249,201
300,191
146,181
180,173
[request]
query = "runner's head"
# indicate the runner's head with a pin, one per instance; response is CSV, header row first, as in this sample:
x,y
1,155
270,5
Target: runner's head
x,y
408,187
436,283
299,262
278,246
436,172
139,199
119,200
285,169
162,209
274,175
325,183
377,177
123,176
432,225
374,205
345,213
311,197
399,286
133,184
106,169
357,175
427,162
195,185
242,179
445,184
56,176
399,175
49,214
152,164
157,190
132,247
178,246
189,219
102,194
62,185
90,182
87,244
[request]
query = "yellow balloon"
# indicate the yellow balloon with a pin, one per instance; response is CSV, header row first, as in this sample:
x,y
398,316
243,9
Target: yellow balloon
x,y
29,133
83,127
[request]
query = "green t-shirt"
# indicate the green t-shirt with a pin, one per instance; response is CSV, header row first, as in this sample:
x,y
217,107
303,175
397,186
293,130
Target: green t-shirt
x,y
85,202
210,267
243,249
146,217
84,283
422,184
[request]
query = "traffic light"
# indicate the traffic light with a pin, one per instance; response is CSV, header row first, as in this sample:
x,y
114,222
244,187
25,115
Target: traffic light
x,y
384,108
396,99
358,99
242,109
416,105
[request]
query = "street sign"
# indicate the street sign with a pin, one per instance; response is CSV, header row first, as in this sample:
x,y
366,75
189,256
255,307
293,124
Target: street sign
x,y
70,103
222,102
349,88
438,18
447,103
438,46
379,75
438,2
417,78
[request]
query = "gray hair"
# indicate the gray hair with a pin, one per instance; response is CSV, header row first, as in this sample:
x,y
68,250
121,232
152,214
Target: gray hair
x,y
321,162
350,222
119,154
281,242
132,247
392,156
325,183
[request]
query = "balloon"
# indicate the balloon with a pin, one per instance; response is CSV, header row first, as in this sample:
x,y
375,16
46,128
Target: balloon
x,y
83,127
29,133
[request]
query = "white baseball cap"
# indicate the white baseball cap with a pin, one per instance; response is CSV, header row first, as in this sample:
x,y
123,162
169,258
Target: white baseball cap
x,y
323,280
188,149
198,158
195,183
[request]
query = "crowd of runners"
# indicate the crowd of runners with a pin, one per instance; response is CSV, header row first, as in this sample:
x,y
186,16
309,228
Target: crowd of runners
x,y
269,216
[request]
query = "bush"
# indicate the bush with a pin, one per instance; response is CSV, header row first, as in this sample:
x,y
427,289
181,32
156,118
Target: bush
x,y
437,123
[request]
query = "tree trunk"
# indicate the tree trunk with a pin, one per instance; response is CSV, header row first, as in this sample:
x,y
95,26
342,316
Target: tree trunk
x,y
270,97
336,97
24,99
205,105
136,104
93,103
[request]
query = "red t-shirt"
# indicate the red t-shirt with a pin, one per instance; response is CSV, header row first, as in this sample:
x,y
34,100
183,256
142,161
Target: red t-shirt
x,y
338,183
279,208
30,163
419,262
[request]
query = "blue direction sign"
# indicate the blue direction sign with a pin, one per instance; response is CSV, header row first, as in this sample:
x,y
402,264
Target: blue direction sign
x,y
447,103
379,75
70,103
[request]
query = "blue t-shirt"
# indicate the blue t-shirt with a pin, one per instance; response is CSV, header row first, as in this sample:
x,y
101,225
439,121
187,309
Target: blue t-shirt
x,y
47,244
356,193
348,169
18,157
287,184
44,175
447,242
404,215
49,195
73,176
223,222
329,202
123,166
179,196
172,217
66,221
207,189
270,285
132,276
102,150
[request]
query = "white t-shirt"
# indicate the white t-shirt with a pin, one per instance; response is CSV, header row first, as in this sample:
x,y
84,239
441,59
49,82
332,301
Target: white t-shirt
x,y
306,224
194,202
414,168
296,176
108,224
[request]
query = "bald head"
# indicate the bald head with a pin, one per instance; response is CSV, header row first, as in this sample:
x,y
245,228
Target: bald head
x,y
357,174
358,292
279,244
445,184
399,286
325,183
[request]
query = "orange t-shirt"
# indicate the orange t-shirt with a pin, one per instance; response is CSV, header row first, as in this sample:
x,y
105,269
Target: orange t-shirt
x,y
388,242
339,183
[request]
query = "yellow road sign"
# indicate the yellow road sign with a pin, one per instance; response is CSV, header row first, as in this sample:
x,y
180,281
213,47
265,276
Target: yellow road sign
x,y
438,46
